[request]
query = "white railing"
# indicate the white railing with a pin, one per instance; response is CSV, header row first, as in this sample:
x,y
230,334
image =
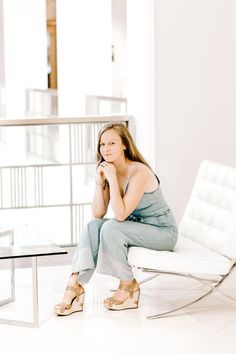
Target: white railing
x,y
47,171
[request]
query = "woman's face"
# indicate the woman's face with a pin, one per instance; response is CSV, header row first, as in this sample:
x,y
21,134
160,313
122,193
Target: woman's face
x,y
111,146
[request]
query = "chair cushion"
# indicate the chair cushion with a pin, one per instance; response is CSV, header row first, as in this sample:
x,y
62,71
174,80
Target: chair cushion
x,y
188,257
210,215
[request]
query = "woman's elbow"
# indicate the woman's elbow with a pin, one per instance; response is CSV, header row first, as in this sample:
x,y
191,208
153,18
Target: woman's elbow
x,y
98,216
120,218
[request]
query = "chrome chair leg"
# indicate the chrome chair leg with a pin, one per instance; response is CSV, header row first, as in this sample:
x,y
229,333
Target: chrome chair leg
x,y
215,287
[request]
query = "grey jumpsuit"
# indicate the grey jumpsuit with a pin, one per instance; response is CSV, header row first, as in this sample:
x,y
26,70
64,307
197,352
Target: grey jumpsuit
x,y
104,243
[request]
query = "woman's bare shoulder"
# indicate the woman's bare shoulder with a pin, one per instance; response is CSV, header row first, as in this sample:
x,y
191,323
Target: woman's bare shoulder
x,y
145,175
138,167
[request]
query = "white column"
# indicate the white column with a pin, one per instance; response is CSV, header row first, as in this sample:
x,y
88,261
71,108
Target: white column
x,y
119,50
2,69
140,73
84,53
25,42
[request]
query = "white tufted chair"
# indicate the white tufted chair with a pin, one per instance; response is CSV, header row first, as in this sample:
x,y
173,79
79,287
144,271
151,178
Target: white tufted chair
x,y
207,234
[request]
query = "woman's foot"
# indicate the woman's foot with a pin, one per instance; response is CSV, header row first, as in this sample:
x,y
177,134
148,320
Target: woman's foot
x,y
73,299
125,297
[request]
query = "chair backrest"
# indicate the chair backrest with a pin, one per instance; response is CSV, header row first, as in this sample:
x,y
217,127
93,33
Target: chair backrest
x,y
210,216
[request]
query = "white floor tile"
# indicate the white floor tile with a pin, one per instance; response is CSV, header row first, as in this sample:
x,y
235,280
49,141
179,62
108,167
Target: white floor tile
x,y
207,327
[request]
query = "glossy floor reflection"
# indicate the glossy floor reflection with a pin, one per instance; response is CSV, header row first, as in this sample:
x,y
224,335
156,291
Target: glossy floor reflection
x,y
206,327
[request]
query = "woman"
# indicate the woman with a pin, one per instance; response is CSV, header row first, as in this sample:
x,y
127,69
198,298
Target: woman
x,y
141,218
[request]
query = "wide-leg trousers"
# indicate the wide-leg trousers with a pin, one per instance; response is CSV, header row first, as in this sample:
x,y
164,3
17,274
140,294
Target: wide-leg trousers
x,y
104,245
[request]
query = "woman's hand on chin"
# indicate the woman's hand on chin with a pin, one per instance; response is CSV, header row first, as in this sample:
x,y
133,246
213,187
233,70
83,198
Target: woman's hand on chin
x,y
108,170
100,175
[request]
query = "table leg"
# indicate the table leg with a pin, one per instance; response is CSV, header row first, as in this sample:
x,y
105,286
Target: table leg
x,y
12,297
35,291
35,322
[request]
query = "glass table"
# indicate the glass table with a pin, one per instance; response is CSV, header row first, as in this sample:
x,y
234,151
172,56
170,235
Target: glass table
x,y
22,241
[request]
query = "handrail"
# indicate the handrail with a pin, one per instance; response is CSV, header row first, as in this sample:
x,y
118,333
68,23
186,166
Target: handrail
x,y
108,98
63,120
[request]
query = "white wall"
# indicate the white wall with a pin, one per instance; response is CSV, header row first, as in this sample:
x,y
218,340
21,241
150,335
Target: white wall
x,y
196,91
140,82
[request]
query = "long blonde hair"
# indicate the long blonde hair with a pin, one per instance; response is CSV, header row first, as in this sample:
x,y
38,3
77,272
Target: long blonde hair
x,y
131,152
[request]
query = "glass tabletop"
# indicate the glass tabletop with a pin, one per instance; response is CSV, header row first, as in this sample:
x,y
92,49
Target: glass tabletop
x,y
18,241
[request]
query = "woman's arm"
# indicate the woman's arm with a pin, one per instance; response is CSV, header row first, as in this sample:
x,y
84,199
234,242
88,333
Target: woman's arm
x,y
123,207
101,196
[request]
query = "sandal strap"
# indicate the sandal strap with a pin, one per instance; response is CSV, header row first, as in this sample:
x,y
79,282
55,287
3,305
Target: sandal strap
x,y
130,287
72,288
112,301
64,306
78,290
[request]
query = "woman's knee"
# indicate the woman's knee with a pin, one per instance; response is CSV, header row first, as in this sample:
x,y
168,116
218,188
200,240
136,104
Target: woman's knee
x,y
91,230
110,229
111,224
94,225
